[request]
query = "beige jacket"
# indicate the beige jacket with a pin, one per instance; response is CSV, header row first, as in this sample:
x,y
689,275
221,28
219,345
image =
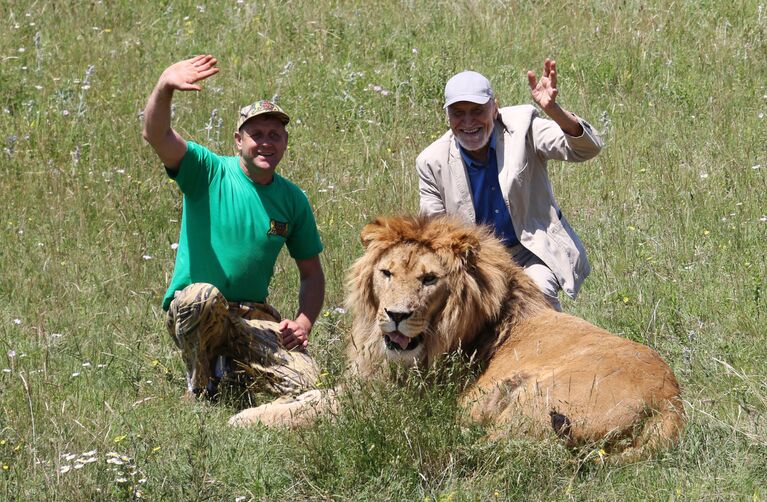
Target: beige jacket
x,y
524,143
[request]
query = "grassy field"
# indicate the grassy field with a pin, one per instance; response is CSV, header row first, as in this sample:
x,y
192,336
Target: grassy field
x,y
673,213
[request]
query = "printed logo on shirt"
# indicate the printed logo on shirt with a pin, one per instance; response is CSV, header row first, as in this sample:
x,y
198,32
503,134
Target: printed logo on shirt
x,y
278,228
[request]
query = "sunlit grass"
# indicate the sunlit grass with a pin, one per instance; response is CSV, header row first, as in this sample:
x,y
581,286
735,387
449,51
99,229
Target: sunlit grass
x,y
673,213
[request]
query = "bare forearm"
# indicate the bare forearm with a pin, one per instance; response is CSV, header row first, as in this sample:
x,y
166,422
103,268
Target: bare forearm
x,y
567,121
311,296
157,114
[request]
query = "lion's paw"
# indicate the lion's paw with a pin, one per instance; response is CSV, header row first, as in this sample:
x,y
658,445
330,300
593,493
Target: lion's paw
x,y
274,414
285,411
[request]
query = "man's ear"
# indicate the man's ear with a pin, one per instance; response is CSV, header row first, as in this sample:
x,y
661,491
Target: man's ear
x,y
238,140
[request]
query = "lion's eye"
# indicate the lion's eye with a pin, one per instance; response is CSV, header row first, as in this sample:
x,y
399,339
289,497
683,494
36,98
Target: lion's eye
x,y
428,279
385,272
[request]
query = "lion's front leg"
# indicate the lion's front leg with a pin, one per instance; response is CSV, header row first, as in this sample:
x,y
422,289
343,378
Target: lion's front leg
x,y
293,412
509,408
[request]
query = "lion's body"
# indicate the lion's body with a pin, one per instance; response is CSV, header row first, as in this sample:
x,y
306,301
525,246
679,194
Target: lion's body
x,y
428,287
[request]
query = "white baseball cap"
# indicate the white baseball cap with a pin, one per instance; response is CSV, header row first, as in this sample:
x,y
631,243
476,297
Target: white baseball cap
x,y
468,86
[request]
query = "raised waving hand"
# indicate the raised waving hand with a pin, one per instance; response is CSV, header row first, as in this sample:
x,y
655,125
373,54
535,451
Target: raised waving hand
x,y
185,74
544,91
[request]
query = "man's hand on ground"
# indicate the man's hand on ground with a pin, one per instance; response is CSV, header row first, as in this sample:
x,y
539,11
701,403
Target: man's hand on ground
x,y
294,335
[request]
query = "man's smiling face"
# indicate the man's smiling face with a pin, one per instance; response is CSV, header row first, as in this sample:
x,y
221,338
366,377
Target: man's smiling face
x,y
472,124
262,142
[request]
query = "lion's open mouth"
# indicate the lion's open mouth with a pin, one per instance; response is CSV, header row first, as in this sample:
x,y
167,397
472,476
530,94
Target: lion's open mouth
x,y
397,341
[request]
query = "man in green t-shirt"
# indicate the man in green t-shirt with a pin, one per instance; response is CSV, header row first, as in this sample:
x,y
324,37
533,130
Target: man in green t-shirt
x,y
237,214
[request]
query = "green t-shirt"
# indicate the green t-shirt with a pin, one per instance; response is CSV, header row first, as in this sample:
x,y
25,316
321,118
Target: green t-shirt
x,y
233,229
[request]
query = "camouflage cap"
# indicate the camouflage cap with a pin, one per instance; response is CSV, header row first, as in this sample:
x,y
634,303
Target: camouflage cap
x,y
261,108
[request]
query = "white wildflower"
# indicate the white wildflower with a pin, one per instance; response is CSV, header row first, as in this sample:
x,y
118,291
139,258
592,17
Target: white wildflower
x,y
17,322
147,257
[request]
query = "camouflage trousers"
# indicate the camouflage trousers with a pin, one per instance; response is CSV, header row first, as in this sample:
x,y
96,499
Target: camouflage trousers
x,y
214,334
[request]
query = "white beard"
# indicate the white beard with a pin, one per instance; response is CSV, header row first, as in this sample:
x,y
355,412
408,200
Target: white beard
x,y
470,148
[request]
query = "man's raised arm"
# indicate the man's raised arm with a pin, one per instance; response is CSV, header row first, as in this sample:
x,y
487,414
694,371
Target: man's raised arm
x,y
182,76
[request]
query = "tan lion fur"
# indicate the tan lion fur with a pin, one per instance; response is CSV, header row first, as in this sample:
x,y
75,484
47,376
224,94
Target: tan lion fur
x,y
540,371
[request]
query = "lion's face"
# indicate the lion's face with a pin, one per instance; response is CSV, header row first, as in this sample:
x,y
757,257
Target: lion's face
x,y
410,283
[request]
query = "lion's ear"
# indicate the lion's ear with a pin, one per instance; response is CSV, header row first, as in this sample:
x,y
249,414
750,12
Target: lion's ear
x,y
372,231
461,243
385,230
466,248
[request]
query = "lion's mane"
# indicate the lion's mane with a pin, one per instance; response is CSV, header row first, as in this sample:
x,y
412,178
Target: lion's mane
x,y
486,289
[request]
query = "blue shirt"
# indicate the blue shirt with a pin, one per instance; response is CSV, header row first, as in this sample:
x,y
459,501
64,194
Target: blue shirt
x,y
489,206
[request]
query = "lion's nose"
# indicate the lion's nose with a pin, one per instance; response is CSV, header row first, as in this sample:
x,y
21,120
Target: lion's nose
x,y
397,317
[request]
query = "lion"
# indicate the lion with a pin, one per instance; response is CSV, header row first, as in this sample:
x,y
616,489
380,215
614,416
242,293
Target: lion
x,y
428,287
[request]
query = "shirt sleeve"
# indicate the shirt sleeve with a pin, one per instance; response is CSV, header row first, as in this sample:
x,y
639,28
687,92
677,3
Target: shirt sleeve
x,y
197,169
552,143
431,200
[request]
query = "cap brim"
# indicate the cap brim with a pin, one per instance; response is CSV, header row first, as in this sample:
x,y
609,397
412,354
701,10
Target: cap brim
x,y
471,98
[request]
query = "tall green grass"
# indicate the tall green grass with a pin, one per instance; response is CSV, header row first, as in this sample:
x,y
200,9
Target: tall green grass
x,y
672,212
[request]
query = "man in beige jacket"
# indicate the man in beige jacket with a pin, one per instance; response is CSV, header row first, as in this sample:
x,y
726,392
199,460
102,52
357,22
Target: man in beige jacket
x,y
490,168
